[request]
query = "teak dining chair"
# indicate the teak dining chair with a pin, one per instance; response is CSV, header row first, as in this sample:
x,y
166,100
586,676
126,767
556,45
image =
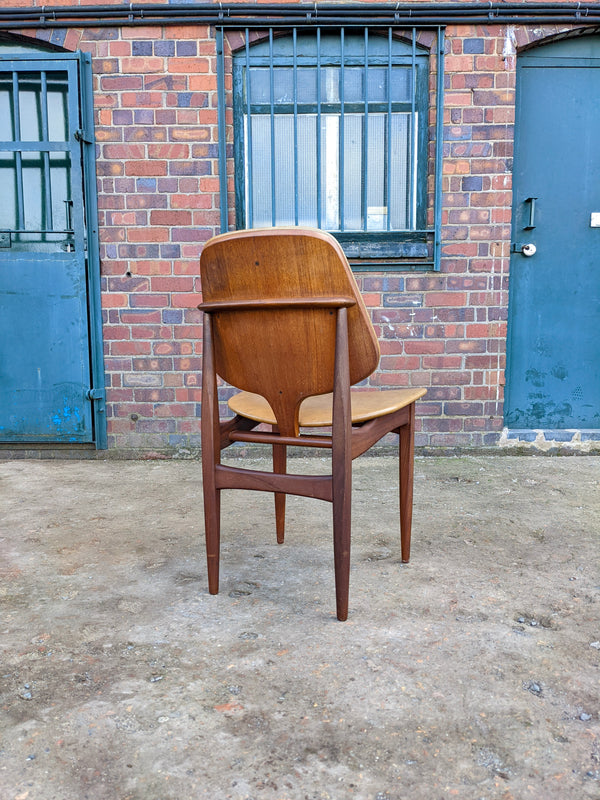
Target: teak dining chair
x,y
285,323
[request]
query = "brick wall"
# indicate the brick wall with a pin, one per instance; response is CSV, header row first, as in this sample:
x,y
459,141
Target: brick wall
x,y
155,98
158,196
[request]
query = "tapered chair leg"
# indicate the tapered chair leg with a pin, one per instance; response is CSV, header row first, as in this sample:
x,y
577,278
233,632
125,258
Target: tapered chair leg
x,y
342,518
341,463
212,529
407,466
279,466
210,458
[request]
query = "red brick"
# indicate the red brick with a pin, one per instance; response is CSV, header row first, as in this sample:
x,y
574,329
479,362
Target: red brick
x,y
143,318
146,168
441,424
391,378
176,83
437,299
424,346
147,201
173,284
130,348
187,66
186,395
170,217
203,83
188,364
154,395
139,64
114,300
175,410
145,332
168,151
442,362
149,300
451,378
147,133
399,363
192,201
148,234
466,346
184,300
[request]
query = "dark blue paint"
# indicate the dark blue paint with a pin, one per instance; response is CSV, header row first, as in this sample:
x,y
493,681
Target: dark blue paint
x,y
553,369
44,361
49,297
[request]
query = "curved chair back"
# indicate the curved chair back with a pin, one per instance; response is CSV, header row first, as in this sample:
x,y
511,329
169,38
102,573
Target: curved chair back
x,y
271,343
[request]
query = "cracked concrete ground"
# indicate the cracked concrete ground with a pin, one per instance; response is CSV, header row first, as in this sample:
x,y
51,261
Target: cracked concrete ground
x,y
473,672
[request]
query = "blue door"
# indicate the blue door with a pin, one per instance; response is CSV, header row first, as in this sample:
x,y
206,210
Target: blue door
x,y
49,378
553,364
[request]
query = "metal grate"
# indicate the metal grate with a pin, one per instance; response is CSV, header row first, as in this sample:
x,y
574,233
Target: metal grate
x,y
35,157
331,130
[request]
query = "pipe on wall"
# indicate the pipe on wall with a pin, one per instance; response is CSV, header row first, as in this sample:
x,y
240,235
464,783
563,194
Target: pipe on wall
x,y
241,15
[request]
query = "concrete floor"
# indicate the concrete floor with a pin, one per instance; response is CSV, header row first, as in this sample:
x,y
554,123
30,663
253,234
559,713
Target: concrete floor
x,y
473,672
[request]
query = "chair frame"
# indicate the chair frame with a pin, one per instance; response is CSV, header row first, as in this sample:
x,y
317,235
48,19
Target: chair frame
x,y
346,442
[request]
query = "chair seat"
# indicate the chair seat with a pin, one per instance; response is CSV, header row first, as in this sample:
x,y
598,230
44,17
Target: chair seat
x,y
316,412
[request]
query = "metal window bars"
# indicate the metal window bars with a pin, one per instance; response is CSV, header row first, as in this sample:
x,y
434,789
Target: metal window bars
x,y
35,157
387,240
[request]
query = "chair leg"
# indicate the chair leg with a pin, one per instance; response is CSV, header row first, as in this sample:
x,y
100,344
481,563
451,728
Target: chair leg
x,y
341,463
212,530
279,466
211,453
407,465
342,520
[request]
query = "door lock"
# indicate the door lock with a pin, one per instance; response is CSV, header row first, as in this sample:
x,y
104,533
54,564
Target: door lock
x,y
527,249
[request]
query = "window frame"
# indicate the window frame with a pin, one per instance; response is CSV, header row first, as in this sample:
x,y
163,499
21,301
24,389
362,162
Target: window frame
x,y
417,247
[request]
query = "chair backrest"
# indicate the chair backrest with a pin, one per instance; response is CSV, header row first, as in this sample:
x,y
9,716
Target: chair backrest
x,y
283,354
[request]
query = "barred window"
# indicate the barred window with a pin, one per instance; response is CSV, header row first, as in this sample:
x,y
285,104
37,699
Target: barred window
x,y
331,131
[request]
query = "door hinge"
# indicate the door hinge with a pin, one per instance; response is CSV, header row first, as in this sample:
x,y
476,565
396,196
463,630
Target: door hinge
x,y
95,394
82,136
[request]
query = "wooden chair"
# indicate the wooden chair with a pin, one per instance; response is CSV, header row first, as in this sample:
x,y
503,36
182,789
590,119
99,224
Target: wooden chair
x,y
285,323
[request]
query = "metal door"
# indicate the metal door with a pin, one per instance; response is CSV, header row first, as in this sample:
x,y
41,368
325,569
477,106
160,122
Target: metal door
x,y
47,356
553,368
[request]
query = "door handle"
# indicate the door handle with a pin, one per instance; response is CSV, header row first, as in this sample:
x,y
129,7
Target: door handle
x,y
531,225
528,249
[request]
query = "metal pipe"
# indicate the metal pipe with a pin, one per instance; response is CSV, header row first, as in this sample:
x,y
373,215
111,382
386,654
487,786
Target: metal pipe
x,y
342,134
272,114
318,122
241,15
296,191
366,136
47,177
233,10
412,148
223,204
439,149
16,114
249,153
280,23
387,193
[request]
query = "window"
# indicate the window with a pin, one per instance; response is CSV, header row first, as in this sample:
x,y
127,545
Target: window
x,y
331,131
35,157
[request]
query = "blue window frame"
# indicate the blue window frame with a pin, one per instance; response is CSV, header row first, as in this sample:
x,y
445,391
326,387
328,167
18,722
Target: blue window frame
x,y
331,130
